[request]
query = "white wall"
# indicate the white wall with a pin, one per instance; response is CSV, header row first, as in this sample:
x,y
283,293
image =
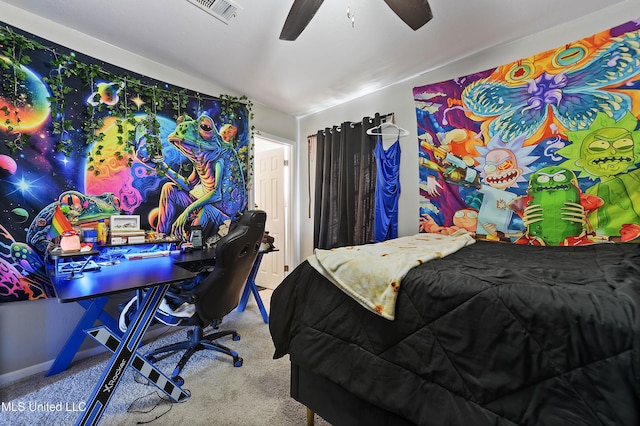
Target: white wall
x,y
399,100
32,332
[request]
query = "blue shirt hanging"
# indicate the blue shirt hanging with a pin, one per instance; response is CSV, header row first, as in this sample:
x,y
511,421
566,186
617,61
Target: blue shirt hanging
x,y
385,223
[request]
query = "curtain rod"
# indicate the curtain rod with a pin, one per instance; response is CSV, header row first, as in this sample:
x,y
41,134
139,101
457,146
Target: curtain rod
x,y
383,119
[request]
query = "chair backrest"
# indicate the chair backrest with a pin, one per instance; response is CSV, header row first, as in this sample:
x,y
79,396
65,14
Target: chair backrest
x,y
220,292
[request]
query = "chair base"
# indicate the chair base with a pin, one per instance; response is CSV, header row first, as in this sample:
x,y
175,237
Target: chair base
x,y
197,342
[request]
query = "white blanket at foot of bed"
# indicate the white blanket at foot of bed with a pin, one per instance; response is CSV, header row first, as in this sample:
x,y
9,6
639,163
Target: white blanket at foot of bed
x,y
371,273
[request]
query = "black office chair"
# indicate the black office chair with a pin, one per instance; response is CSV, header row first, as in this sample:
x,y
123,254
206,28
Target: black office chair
x,y
218,291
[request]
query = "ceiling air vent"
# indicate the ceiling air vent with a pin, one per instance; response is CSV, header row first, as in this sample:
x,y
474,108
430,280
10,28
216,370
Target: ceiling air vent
x,y
224,10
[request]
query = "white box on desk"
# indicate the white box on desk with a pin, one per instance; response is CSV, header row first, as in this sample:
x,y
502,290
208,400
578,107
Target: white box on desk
x,y
136,239
118,240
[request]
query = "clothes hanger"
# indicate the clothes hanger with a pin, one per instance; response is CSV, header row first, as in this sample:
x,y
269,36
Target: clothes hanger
x,y
379,130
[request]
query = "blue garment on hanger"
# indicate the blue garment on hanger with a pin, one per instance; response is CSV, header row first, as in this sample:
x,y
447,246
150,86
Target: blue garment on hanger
x,y
385,220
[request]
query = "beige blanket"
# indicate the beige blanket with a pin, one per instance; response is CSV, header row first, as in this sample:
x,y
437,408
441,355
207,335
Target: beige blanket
x,y
372,273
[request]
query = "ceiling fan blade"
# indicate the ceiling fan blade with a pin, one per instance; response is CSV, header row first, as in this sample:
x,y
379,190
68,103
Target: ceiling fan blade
x,y
415,13
301,13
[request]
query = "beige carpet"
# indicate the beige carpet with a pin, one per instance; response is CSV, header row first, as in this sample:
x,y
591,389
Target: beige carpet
x,y
255,394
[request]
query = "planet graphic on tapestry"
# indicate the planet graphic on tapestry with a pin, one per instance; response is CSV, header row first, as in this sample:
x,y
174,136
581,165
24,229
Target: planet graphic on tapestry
x,y
106,93
20,214
28,108
113,169
8,166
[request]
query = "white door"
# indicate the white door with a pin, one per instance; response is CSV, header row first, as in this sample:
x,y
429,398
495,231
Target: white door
x,y
270,197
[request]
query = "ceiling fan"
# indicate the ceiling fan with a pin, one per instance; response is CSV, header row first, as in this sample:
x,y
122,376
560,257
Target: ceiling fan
x,y
415,13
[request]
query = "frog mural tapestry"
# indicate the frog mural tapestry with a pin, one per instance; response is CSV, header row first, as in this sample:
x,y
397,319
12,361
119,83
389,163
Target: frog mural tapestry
x,y
215,189
96,140
546,149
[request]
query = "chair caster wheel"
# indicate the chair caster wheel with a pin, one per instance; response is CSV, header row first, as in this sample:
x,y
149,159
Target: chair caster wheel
x,y
178,380
237,362
236,337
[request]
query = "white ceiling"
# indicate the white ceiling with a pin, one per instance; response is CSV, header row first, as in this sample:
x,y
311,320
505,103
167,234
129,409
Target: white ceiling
x,y
331,62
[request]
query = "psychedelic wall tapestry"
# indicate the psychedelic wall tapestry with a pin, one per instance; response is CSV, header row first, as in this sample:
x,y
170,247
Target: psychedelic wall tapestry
x,y
543,151
94,140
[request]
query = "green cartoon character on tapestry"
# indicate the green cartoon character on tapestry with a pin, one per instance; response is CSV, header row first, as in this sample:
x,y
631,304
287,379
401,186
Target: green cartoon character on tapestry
x,y
609,152
554,209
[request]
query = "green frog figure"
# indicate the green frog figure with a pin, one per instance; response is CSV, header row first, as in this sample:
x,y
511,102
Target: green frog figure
x,y
28,269
215,189
81,209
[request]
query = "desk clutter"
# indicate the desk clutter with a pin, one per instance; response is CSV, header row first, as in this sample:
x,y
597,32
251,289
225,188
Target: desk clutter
x,y
125,230
128,237
119,230
92,259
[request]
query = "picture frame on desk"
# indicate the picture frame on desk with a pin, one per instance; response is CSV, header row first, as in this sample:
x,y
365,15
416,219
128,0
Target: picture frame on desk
x,y
124,223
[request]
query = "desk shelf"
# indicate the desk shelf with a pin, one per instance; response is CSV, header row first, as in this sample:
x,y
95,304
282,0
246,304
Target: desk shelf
x,y
146,243
61,257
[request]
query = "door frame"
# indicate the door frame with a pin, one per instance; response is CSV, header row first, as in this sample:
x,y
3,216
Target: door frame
x,y
289,172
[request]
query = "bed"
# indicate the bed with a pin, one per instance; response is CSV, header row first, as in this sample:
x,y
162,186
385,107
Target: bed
x,y
491,334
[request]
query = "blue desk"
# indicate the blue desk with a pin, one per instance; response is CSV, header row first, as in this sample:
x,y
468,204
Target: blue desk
x,y
155,275
92,290
94,306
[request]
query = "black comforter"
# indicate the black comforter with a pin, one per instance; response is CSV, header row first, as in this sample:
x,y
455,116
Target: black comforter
x,y
492,334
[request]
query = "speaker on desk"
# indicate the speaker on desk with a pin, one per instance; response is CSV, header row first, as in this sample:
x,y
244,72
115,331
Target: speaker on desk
x,y
196,237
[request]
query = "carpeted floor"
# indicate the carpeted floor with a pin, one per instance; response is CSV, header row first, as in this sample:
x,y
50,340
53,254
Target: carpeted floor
x,y
255,394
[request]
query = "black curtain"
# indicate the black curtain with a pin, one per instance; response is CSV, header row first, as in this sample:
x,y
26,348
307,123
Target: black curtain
x,y
345,185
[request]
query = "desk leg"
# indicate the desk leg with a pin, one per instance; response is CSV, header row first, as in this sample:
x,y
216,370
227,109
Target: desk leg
x,y
245,297
93,311
251,287
263,311
122,357
170,388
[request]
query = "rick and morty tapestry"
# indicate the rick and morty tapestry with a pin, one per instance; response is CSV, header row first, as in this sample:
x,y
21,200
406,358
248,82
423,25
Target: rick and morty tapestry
x,y
94,140
541,151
